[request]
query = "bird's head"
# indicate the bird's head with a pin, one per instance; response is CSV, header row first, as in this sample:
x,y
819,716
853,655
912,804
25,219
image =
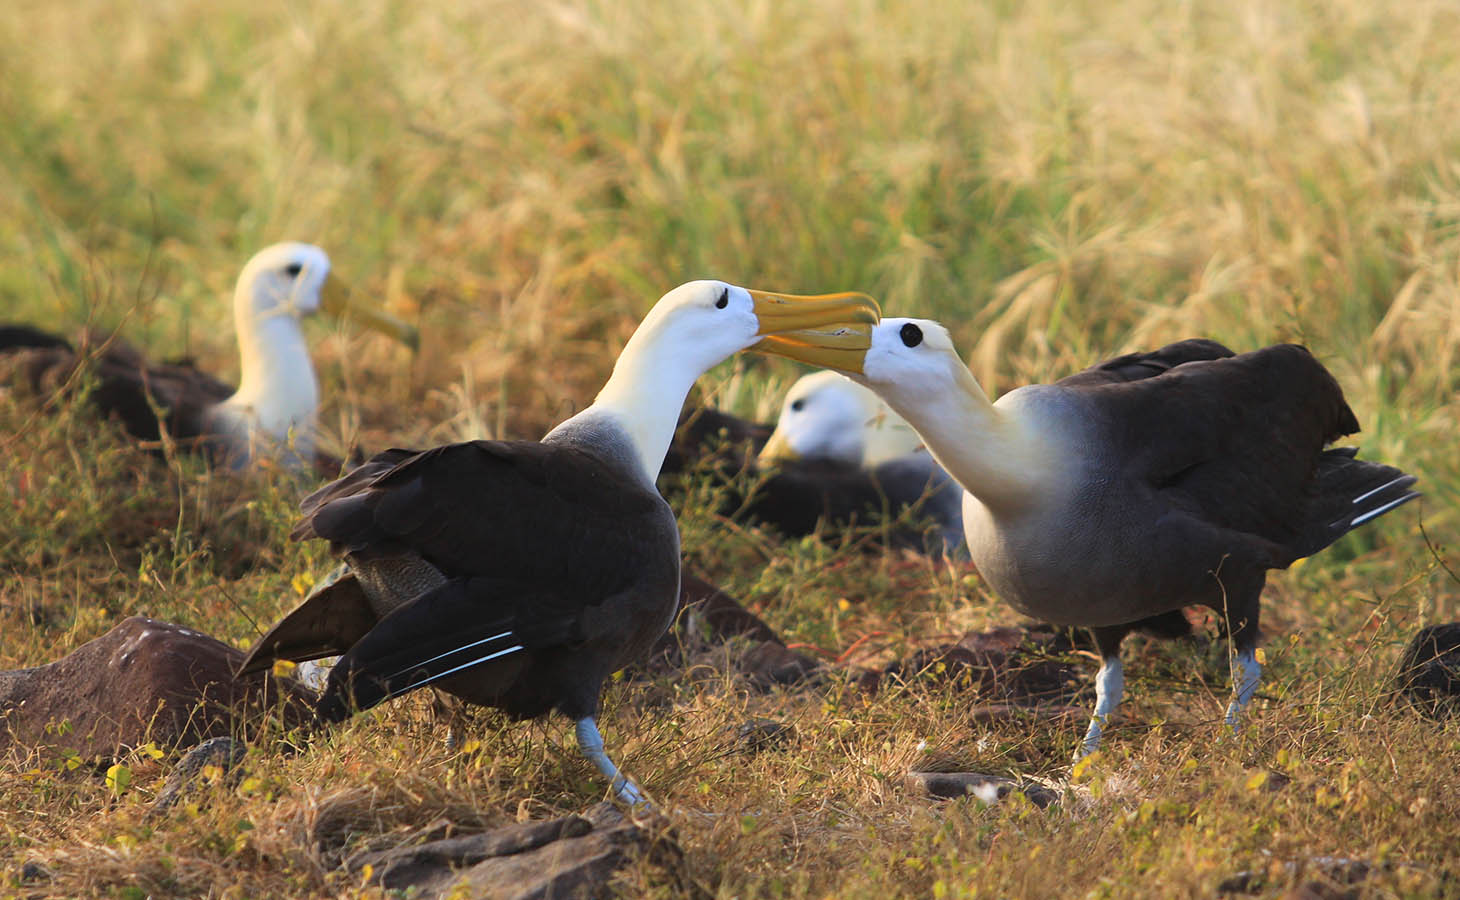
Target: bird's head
x,y
704,322
293,279
824,416
910,363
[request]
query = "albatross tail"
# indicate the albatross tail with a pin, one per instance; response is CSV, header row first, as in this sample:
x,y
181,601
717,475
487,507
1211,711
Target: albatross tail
x,y
1347,493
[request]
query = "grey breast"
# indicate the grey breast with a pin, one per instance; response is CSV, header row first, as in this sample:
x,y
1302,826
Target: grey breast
x,y
1080,553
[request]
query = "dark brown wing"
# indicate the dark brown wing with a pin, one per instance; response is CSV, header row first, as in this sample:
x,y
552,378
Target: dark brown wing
x,y
327,623
488,507
1135,366
120,384
546,548
1234,441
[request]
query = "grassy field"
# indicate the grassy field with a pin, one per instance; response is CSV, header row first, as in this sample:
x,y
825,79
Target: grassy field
x,y
1056,181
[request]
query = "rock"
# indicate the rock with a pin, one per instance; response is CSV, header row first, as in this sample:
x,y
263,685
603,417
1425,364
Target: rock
x,y
708,619
759,735
1429,671
142,681
1325,878
32,872
224,752
402,867
988,788
1007,665
572,856
1321,890
771,663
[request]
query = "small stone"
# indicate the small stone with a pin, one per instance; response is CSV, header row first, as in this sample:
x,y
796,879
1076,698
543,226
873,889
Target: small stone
x,y
223,752
1429,671
759,735
33,871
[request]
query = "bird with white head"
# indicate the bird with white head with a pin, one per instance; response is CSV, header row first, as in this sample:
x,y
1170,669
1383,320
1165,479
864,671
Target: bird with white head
x,y
1154,481
520,574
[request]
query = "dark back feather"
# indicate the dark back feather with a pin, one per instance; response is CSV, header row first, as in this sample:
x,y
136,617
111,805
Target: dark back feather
x,y
1234,440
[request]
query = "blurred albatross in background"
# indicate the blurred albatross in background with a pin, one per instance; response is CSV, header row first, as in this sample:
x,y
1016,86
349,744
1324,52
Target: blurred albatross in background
x,y
271,414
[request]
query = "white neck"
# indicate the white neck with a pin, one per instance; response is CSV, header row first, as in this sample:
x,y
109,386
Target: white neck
x,y
277,391
990,453
645,393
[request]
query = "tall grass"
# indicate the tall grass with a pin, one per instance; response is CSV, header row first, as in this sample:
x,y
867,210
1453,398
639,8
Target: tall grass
x,y
1056,181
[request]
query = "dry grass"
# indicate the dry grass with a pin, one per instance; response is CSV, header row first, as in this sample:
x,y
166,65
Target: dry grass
x,y
1058,182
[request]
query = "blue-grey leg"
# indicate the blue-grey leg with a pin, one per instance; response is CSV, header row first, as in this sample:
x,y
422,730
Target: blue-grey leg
x,y
591,743
1246,672
1109,687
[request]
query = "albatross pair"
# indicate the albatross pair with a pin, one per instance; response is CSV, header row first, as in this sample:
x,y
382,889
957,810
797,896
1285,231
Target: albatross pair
x,y
519,574
271,415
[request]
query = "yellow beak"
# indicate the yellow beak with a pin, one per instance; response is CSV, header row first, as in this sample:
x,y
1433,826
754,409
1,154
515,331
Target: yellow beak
x,y
334,298
831,330
777,449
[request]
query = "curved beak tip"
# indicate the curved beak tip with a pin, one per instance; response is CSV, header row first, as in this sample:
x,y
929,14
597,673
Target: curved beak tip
x,y
335,299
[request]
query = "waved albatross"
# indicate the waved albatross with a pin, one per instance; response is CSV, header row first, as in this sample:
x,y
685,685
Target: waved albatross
x,y
875,456
272,412
1116,496
520,574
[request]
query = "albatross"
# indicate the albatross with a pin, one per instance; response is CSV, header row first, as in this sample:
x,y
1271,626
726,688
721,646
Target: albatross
x,y
842,439
271,414
826,416
1150,482
520,574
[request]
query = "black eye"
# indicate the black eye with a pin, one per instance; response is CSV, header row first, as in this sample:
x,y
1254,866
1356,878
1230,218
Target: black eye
x,y
798,405
724,300
911,334
293,269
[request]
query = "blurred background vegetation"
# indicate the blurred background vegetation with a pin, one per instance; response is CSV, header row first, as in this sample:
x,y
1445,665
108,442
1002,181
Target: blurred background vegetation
x,y
1057,181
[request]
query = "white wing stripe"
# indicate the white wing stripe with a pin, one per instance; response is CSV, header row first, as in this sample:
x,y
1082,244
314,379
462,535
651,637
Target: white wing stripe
x,y
427,662
1362,497
489,656
1359,520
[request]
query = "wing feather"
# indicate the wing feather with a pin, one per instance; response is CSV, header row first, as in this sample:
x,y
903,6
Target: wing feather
x,y
1233,440
492,623
525,511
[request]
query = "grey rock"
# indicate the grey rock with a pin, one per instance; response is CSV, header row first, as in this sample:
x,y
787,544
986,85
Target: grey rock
x,y
223,752
569,857
759,735
428,862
